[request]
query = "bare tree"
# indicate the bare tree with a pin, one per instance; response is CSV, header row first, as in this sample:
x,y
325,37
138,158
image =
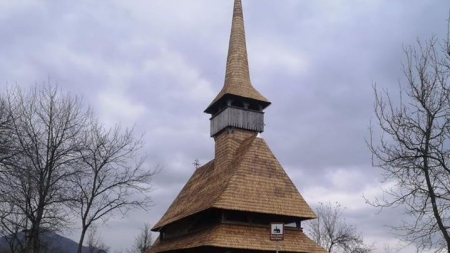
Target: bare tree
x,y
5,126
55,157
143,241
43,144
413,150
3,113
94,242
12,222
113,178
331,231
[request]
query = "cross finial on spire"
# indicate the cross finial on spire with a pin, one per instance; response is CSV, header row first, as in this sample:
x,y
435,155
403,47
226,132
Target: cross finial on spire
x,y
196,163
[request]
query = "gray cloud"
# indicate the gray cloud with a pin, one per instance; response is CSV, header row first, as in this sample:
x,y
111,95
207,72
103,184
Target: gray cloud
x,y
159,63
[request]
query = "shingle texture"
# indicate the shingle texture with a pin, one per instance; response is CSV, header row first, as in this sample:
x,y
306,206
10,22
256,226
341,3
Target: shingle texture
x,y
243,176
253,180
239,237
237,77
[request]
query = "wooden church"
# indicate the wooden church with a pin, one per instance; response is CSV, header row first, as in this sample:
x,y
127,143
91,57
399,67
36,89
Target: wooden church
x,y
229,203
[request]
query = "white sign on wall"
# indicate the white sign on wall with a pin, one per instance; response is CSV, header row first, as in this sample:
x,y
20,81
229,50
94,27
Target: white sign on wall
x,y
276,231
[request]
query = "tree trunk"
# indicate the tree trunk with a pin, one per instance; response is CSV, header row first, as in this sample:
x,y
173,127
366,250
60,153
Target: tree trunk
x,y
80,242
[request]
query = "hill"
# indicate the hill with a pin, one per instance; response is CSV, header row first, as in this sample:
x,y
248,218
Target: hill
x,y
55,244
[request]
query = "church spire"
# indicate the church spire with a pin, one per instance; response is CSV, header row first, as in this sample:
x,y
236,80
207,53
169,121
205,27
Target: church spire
x,y
237,72
237,77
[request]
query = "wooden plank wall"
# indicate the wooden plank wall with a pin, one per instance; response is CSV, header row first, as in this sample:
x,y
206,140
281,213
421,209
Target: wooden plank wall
x,y
239,118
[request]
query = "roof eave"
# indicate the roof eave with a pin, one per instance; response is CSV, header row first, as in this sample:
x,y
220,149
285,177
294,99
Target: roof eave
x,y
211,108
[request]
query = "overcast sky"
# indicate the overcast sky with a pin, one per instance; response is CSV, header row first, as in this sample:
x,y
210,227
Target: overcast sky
x,y
159,63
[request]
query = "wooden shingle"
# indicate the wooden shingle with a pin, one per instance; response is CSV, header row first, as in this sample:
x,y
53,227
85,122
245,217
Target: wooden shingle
x,y
239,237
254,181
237,76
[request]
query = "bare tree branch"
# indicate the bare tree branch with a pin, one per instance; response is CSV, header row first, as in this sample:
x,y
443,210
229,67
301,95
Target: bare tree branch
x,y
114,177
413,150
57,158
42,139
94,242
331,231
143,241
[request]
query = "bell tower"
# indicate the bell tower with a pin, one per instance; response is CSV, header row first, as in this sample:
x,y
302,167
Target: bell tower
x,y
229,203
238,105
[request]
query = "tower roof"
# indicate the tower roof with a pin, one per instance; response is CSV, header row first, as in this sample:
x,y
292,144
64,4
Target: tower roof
x,y
232,236
253,182
237,76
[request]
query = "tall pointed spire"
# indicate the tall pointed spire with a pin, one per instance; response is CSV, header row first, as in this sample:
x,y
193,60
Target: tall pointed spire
x,y
237,77
237,72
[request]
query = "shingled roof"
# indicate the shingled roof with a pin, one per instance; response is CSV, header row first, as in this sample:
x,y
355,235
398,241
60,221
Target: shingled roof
x,y
237,77
253,182
239,237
